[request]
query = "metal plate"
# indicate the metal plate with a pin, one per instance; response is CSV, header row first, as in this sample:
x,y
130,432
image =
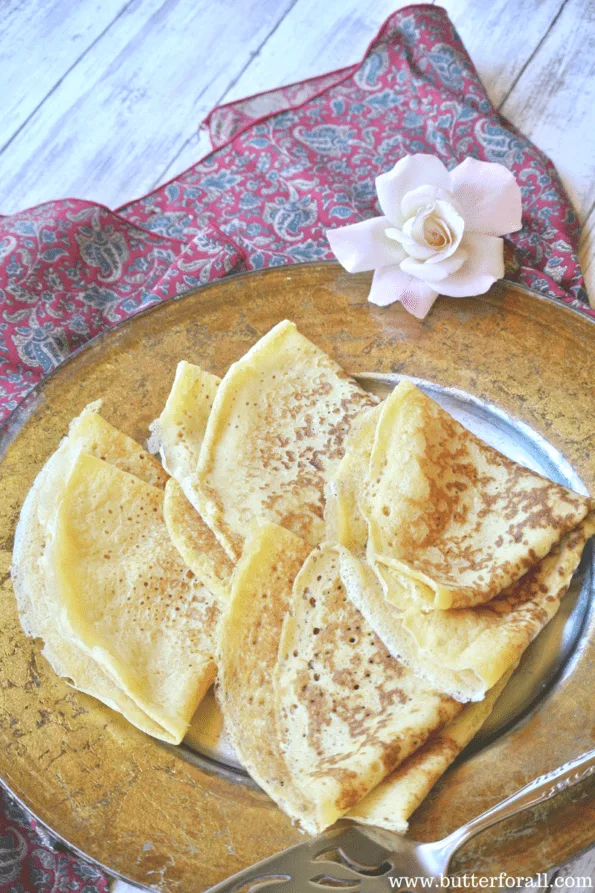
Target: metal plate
x,y
514,367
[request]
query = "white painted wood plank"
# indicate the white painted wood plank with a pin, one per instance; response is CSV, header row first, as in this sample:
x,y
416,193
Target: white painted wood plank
x,y
553,100
501,36
192,150
39,43
315,37
544,59
297,50
116,120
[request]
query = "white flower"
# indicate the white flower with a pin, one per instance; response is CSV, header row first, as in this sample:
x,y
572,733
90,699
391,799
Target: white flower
x,y
439,233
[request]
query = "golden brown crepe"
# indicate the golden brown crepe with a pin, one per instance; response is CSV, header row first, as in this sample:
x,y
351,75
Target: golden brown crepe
x,y
248,646
342,670
274,437
196,543
397,797
465,651
178,435
454,518
126,596
97,578
94,435
348,712
343,518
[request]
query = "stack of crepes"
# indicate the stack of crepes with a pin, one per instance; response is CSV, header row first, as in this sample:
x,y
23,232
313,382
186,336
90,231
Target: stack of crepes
x,y
361,576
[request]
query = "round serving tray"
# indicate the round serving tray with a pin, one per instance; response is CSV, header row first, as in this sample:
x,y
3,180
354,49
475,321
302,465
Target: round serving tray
x,y
515,365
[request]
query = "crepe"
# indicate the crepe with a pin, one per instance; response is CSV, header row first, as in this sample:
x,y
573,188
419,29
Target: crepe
x,y
93,434
274,437
248,644
466,651
348,712
177,435
42,609
196,543
344,521
126,596
394,800
458,521
342,670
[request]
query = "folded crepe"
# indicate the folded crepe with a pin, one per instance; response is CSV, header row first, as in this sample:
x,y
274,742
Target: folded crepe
x,y
432,516
274,437
198,546
37,613
316,709
177,435
453,518
465,651
348,713
344,521
396,798
249,635
96,577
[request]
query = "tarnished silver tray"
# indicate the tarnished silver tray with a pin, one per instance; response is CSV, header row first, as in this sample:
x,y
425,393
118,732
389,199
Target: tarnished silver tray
x,y
514,367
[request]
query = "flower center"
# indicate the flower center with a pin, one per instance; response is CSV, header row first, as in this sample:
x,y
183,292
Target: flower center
x,y
436,234
432,233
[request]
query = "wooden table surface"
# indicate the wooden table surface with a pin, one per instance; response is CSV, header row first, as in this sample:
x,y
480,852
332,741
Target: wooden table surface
x,y
101,99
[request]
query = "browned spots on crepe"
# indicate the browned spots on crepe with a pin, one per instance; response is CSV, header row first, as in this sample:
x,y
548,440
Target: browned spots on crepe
x,y
349,712
275,437
457,519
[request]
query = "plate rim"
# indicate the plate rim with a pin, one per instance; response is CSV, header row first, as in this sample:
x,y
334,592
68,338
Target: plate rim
x,y
235,277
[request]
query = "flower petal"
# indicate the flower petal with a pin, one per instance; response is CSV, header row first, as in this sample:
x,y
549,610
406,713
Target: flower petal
x,y
364,246
410,246
488,196
484,264
407,174
390,284
455,225
423,195
434,272
441,217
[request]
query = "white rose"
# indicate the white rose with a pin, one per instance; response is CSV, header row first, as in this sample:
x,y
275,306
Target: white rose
x,y
439,233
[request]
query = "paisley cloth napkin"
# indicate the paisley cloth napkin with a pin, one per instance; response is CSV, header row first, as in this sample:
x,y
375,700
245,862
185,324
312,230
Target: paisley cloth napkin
x,y
284,166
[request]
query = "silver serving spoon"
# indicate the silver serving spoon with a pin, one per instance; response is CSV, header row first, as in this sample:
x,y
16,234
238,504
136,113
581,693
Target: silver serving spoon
x,y
358,859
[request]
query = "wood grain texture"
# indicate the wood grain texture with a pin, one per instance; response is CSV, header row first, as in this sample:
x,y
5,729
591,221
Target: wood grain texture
x,y
31,65
312,39
501,37
554,97
116,119
297,49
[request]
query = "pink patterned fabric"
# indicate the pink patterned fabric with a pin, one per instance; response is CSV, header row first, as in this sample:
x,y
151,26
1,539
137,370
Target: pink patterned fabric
x,y
264,196
286,165
30,861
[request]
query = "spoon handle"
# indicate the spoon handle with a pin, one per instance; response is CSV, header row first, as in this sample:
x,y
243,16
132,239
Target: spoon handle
x,y
538,791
